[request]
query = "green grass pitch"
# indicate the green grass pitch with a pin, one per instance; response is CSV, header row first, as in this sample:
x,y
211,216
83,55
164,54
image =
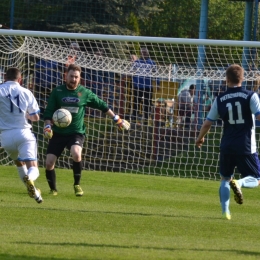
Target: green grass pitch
x,y
125,216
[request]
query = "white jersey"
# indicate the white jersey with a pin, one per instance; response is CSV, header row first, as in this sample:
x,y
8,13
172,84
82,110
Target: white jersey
x,y
15,102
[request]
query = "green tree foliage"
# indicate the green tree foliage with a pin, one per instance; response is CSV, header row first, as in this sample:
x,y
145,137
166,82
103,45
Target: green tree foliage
x,y
133,24
226,20
88,16
182,18
165,18
177,19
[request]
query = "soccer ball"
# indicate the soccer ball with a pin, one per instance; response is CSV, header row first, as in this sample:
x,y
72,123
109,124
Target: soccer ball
x,y
62,117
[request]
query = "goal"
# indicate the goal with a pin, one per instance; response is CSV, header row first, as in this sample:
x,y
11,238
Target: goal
x,y
159,144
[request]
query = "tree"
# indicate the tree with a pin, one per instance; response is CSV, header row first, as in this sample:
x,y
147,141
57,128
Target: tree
x,y
166,18
181,19
95,16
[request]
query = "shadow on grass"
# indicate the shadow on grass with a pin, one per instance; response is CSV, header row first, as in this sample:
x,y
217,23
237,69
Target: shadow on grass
x,y
24,257
139,214
240,252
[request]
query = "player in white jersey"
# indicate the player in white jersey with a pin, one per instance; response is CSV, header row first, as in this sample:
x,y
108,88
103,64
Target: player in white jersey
x,y
238,109
17,106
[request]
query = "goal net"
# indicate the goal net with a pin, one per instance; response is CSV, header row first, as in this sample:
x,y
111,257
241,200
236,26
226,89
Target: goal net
x,y
161,140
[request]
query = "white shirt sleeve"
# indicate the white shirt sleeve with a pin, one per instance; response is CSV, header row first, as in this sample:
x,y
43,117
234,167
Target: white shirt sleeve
x,y
33,107
213,114
255,104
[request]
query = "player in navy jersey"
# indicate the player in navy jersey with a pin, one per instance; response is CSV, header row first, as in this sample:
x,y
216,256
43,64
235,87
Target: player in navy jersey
x,y
238,109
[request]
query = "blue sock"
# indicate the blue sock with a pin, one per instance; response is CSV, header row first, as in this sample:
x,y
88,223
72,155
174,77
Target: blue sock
x,y
224,194
248,182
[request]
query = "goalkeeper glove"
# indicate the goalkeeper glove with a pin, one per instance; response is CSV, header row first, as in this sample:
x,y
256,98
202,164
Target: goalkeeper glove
x,y
121,124
47,132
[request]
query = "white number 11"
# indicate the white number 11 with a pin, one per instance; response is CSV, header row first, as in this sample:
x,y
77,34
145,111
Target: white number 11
x,y
231,120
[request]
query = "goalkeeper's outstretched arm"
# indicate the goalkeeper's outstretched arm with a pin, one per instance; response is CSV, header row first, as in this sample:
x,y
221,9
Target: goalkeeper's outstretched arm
x,y
121,123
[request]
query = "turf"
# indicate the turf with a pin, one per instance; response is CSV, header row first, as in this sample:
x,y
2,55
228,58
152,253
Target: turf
x,y
125,216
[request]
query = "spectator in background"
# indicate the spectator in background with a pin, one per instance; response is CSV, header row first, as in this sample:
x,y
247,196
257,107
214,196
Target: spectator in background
x,y
170,111
47,76
143,69
110,86
94,80
207,104
100,82
74,48
133,58
185,99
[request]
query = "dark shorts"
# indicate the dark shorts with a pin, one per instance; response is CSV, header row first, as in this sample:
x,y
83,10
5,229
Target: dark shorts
x,y
247,165
58,143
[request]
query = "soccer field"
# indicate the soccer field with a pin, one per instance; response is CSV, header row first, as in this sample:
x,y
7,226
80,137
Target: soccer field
x,y
125,216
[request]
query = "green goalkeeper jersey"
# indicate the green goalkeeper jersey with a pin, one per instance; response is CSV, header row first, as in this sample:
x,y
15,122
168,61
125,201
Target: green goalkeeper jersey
x,y
75,101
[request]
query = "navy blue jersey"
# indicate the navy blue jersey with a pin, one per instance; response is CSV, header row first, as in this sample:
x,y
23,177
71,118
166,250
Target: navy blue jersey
x,y
143,69
48,73
237,109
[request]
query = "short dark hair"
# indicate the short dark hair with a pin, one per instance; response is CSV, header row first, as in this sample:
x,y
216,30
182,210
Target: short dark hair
x,y
74,67
192,86
12,74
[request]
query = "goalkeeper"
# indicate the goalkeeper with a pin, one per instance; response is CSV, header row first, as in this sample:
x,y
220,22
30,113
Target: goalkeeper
x,y
75,98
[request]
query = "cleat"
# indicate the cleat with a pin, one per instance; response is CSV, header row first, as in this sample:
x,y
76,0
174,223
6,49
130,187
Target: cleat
x,y
53,192
38,196
30,186
238,196
78,190
226,216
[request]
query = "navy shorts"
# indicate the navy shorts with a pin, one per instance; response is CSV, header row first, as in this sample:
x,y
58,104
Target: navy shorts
x,y
247,165
58,143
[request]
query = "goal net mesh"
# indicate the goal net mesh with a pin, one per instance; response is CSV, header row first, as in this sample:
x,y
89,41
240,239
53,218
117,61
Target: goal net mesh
x,y
159,144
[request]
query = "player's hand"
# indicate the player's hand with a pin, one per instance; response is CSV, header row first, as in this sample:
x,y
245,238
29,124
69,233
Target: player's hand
x,y
47,132
199,142
121,123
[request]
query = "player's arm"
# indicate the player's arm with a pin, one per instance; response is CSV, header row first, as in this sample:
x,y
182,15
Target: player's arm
x,y
121,123
255,105
47,131
203,131
33,117
212,116
95,102
47,122
33,109
51,107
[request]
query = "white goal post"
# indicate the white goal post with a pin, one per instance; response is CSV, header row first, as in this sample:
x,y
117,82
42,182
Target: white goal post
x,y
159,145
